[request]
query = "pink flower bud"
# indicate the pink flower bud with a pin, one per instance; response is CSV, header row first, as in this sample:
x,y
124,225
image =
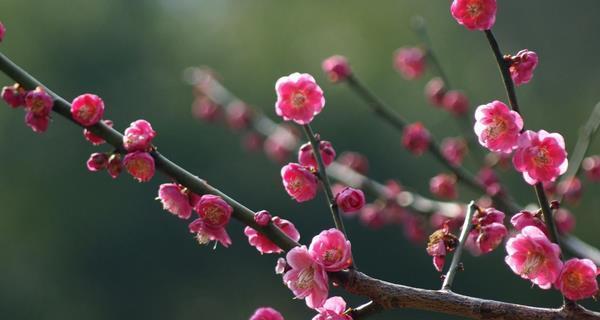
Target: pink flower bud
x,y
280,266
94,139
354,161
350,199
455,102
540,156
522,66
239,115
497,127
565,221
306,157
591,165
435,90
263,244
97,162
333,309
38,102
139,135
175,200
337,68
299,98
488,231
532,256
87,109
205,109
527,218
331,249
410,62
474,14
577,279
39,124
299,182
262,218
416,138
14,95
454,150
2,31
307,278
140,165
266,313
115,166
444,186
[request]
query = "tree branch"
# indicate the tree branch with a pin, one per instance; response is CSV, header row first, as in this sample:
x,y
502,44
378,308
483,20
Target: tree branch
x,y
462,240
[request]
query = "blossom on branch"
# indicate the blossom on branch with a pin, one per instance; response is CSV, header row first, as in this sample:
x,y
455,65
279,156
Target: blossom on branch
x,y
540,156
497,127
474,14
299,98
307,278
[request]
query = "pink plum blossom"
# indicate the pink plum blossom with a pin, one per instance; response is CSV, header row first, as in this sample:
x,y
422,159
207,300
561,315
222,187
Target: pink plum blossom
x,y
331,249
444,186
454,150
435,90
299,182
206,109
214,214
441,242
416,138
97,162
455,102
307,278
266,313
262,218
279,145
39,124
14,95
38,102
280,266
410,62
205,233
337,68
115,165
577,280
174,199
522,65
497,127
238,115
527,218
571,189
299,98
532,256
333,309
564,220
139,135
350,199
140,165
489,179
2,31
591,166
488,231
540,156
263,244
87,109
474,14
94,139
306,157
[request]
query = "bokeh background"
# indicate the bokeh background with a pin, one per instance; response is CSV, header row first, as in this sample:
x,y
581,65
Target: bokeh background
x,y
79,245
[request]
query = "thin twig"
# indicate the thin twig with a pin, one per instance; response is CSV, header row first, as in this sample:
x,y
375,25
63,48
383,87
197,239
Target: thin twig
x,y
462,240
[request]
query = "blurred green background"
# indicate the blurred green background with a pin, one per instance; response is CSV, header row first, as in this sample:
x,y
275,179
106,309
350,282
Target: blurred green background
x,y
79,245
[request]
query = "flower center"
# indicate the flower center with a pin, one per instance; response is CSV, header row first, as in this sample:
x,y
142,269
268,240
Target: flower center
x,y
574,280
474,9
305,278
202,238
298,100
86,111
332,255
296,185
213,215
541,157
497,128
532,263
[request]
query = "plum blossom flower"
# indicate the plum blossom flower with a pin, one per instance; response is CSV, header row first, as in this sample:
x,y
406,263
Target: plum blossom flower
x,y
262,218
115,165
455,102
299,98
38,102
239,115
435,90
174,198
299,182
488,231
474,14
522,65
97,162
94,139
540,156
410,62
532,256
39,124
214,214
139,135
206,109
14,95
454,150
87,109
307,278
350,199
280,266
416,138
497,127
263,244
565,221
527,218
331,249
577,280
2,31
591,166
266,313
306,157
337,68
333,309
140,165
279,145
441,242
490,180
571,189
444,186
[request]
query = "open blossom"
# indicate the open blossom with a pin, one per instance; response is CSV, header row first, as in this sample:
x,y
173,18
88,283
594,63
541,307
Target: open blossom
x,y
174,199
497,127
532,256
87,109
140,165
38,124
214,214
38,102
350,199
444,186
306,157
416,138
435,90
266,313
540,156
263,244
354,161
441,242
239,115
577,280
205,109
591,166
333,309
454,150
488,231
115,165
139,135
14,95
307,278
299,182
94,139
299,98
97,162
474,14
337,68
410,62
522,65
331,249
